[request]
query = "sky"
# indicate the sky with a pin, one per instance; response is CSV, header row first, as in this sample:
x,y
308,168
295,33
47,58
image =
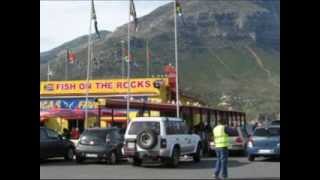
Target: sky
x,y
62,21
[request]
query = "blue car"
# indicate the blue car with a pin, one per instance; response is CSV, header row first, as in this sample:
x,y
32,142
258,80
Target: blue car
x,y
264,142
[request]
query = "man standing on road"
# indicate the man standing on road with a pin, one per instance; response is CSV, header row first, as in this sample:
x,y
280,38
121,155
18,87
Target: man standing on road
x,y
221,141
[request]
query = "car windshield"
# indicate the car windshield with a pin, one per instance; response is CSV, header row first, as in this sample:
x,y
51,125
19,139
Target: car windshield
x,y
267,132
275,123
96,134
138,127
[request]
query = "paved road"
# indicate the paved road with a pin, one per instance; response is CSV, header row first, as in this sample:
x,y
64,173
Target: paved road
x,y
240,167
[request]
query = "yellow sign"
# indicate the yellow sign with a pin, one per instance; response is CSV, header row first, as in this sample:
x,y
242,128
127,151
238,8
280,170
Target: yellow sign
x,y
102,87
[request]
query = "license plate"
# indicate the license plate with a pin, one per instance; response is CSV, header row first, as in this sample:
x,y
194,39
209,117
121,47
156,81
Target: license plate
x,y
92,155
131,145
265,151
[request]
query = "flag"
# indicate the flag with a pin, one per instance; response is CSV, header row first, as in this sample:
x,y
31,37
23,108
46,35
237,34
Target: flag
x,y
126,56
134,15
71,57
178,8
94,18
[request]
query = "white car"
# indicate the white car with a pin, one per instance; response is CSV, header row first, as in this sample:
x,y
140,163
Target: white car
x,y
238,140
162,139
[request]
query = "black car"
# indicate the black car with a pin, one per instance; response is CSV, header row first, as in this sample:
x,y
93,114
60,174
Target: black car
x,y
101,144
54,145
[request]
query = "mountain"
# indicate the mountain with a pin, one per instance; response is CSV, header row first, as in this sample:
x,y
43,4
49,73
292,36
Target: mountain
x,y
225,47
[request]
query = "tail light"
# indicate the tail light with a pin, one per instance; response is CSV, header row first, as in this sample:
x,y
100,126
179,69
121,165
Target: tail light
x,y
239,140
163,143
250,143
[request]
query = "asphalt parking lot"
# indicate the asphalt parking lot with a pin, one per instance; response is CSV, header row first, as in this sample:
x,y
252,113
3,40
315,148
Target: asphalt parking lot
x,y
239,167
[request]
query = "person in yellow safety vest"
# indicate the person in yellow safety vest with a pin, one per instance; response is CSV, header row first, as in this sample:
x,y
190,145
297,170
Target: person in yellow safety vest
x,y
221,141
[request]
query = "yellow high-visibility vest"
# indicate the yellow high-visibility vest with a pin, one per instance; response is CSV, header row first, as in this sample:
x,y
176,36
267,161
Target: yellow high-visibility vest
x,y
221,139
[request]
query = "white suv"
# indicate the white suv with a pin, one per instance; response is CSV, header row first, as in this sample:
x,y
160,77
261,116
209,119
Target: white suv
x,y
161,139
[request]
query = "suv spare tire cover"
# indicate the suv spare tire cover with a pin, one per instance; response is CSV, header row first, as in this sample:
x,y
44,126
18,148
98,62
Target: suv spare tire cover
x,y
147,139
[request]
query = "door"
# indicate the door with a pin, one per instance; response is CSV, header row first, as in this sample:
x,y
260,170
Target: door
x,y
44,144
55,143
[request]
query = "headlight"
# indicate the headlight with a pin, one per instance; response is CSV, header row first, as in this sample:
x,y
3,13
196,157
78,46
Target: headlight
x,y
250,144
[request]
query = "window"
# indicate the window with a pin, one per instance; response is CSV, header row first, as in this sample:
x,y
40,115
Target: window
x,y
184,128
115,135
138,127
171,128
233,132
52,134
274,131
43,134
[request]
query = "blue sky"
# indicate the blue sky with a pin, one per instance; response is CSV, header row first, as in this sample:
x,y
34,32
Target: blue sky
x,y
62,21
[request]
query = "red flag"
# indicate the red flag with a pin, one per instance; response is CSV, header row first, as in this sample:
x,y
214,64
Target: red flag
x,y
71,57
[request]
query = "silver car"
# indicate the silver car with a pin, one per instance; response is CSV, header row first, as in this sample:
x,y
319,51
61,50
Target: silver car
x,y
238,140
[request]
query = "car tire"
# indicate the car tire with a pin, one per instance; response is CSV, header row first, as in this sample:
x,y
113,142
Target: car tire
x,y
151,137
113,158
251,158
197,156
136,161
69,154
174,160
79,159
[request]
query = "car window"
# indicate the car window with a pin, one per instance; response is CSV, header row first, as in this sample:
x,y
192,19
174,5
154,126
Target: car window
x,y
94,134
43,134
184,128
115,135
52,134
267,132
274,131
233,132
275,123
171,128
138,127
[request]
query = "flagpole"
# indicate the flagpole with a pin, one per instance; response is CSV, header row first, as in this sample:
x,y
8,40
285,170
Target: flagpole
x,y
66,67
88,64
176,56
48,78
128,66
147,58
122,59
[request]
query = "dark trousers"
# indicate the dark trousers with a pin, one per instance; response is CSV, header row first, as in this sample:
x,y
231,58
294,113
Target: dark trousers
x,y
222,162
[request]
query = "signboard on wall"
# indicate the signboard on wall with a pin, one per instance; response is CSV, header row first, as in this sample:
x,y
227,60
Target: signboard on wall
x,y
68,104
98,87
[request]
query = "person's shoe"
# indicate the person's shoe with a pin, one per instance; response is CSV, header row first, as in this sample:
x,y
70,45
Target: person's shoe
x,y
215,177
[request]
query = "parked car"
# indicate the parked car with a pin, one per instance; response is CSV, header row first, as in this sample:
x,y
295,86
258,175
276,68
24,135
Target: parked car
x,y
161,139
54,145
101,144
275,123
264,142
238,140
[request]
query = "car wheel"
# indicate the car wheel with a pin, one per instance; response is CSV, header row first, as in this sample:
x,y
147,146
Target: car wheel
x,y
113,158
69,154
79,159
136,161
197,156
174,160
251,158
147,139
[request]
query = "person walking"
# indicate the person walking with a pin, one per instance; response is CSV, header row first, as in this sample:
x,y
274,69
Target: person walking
x,y
221,141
